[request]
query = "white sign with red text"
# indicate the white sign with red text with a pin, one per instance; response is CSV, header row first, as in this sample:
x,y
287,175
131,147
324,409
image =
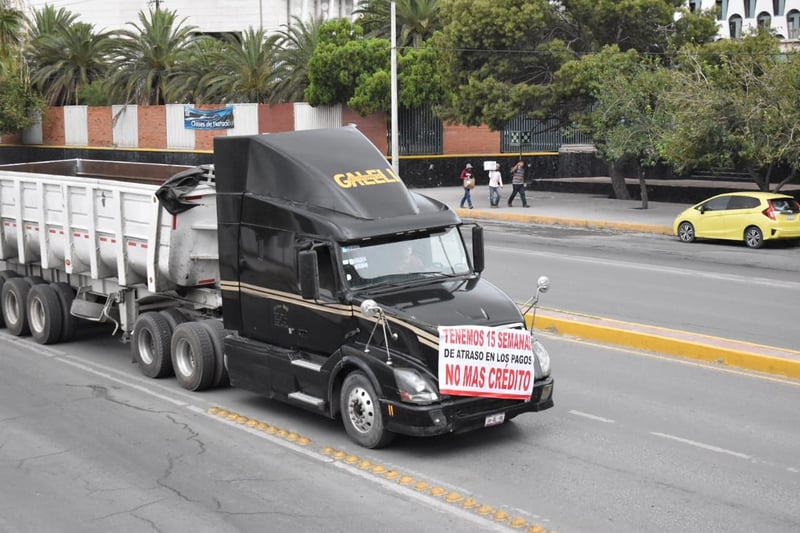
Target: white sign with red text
x,y
484,361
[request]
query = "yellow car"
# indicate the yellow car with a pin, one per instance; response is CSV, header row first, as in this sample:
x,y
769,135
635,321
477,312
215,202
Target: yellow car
x,y
752,217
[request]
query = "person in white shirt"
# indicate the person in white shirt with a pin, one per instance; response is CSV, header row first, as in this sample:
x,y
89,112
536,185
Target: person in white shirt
x,y
495,184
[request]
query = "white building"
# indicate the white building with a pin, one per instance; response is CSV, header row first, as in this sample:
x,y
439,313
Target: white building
x,y
737,17
210,16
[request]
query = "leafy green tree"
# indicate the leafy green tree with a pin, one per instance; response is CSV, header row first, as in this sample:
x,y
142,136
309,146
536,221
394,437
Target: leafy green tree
x,y
68,60
340,61
296,44
146,57
18,104
246,68
734,105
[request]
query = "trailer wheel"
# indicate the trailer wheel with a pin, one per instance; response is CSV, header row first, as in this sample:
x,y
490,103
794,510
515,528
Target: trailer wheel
x,y
193,356
69,323
361,412
44,314
217,332
150,345
13,298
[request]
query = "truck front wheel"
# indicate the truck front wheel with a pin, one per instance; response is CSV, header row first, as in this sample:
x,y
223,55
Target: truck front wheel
x,y
193,356
361,412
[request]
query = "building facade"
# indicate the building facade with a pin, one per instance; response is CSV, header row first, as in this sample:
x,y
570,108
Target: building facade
x,y
736,17
210,16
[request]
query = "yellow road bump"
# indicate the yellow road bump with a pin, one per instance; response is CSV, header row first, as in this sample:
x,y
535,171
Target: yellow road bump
x,y
406,480
500,516
421,486
392,475
272,430
485,510
454,497
327,450
339,455
262,426
378,469
351,459
283,433
536,528
292,437
365,465
241,419
251,423
469,503
303,441
213,410
232,416
518,523
438,492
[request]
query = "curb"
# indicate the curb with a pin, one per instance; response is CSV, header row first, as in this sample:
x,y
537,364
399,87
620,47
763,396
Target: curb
x,y
560,221
731,353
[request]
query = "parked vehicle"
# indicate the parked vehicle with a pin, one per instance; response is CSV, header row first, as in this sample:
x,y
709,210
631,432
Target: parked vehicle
x,y
285,269
751,217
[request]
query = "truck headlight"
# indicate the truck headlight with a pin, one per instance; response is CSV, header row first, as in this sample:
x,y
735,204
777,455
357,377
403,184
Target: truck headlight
x,y
543,357
413,387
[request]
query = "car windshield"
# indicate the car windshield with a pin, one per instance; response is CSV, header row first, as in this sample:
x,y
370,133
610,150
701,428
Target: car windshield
x,y
422,257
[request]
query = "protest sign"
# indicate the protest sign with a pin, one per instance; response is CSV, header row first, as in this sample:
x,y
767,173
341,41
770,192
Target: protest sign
x,y
484,361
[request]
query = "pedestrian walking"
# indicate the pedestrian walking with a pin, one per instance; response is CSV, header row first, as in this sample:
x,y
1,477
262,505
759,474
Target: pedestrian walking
x,y
468,182
495,184
518,183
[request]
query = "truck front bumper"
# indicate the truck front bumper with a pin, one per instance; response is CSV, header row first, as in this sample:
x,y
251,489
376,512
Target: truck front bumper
x,y
457,414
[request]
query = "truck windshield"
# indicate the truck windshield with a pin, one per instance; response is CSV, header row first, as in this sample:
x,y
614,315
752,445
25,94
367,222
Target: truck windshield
x,y
421,257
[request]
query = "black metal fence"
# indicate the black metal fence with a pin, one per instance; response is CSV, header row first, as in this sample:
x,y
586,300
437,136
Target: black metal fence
x,y
421,132
523,134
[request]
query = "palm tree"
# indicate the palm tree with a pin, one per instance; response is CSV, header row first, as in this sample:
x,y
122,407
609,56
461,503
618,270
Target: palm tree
x,y
297,42
198,61
11,26
68,60
245,69
146,57
416,20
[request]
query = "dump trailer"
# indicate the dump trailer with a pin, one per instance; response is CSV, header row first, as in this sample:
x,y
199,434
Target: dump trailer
x,y
298,266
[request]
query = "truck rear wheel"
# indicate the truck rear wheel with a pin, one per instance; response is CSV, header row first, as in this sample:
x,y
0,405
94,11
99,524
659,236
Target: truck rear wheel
x,y
69,323
13,298
217,332
150,345
44,313
361,412
193,356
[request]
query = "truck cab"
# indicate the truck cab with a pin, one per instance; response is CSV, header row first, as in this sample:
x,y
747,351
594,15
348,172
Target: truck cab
x,y
336,281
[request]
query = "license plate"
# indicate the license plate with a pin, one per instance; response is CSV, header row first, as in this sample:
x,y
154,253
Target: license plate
x,y
789,217
495,419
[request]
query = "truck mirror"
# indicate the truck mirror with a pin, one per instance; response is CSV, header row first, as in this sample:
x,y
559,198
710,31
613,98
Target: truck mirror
x,y
477,249
309,274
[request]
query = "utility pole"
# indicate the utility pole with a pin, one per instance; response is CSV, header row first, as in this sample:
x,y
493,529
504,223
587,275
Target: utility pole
x,y
156,2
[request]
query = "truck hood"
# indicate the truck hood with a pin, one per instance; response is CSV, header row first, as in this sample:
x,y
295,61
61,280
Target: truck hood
x,y
451,303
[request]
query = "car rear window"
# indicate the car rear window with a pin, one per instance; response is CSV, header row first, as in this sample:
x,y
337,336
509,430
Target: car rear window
x,y
785,205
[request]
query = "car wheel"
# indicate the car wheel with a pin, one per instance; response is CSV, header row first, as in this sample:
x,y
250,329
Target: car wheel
x,y
686,232
361,412
753,237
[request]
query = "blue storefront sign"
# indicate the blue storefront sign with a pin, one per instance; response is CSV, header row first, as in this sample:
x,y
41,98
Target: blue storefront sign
x,y
207,119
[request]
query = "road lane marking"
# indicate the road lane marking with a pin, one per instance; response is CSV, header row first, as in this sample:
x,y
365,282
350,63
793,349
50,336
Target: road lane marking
x,y
592,417
702,445
774,283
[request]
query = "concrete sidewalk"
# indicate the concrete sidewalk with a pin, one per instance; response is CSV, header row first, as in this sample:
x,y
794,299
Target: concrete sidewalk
x,y
598,211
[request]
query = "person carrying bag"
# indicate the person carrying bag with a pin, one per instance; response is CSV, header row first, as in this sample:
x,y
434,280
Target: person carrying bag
x,y
468,182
